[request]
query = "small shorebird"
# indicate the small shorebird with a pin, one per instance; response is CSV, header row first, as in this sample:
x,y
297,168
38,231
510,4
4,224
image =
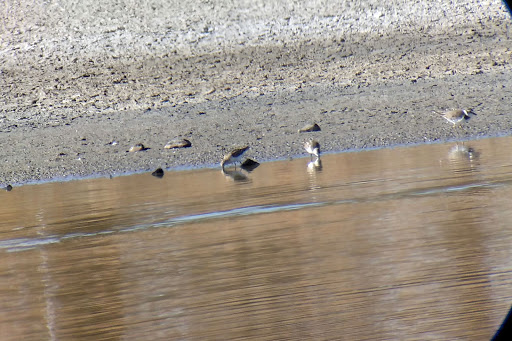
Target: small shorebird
x,y
457,116
313,148
233,156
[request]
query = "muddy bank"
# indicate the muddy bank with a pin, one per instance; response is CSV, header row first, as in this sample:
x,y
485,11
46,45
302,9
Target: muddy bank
x,y
370,76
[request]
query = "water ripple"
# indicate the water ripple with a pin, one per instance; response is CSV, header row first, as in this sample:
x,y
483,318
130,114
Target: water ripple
x,y
22,244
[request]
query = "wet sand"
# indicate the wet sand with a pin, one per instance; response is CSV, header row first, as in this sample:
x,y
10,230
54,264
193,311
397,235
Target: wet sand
x,y
75,78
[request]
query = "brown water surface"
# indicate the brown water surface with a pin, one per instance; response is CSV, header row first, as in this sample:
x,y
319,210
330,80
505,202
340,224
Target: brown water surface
x,y
404,244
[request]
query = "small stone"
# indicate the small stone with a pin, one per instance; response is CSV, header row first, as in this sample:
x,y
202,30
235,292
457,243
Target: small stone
x,y
209,91
159,173
8,188
178,143
249,165
137,148
309,128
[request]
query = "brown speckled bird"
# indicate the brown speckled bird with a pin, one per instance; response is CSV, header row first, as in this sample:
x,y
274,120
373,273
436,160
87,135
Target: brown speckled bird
x,y
233,156
457,116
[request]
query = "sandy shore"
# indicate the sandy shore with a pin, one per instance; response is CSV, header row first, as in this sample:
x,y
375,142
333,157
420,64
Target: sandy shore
x,y
74,78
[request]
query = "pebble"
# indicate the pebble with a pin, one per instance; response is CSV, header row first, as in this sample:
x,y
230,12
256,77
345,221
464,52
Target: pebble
x,y
249,165
178,143
137,148
159,173
309,128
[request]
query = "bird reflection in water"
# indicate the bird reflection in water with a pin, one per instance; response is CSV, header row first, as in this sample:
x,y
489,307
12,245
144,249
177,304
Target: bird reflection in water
x,y
235,175
461,152
462,158
241,175
315,166
313,169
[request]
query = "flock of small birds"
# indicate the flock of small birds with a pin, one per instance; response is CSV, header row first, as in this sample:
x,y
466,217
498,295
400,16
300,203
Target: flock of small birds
x,y
235,156
313,147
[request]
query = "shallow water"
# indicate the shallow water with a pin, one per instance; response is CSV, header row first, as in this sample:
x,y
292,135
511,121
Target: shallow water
x,y
405,243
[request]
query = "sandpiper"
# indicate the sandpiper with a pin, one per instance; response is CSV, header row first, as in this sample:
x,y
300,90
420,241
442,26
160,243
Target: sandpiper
x,y
313,148
457,116
233,156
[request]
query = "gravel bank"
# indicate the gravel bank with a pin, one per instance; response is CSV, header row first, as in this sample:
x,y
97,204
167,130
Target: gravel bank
x,y
77,75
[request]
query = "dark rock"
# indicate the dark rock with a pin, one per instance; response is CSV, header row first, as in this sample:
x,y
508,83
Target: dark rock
x,y
249,165
159,173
